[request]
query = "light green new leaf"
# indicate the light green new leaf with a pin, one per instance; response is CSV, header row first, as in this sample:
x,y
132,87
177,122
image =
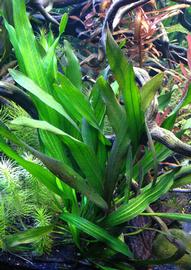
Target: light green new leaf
x,y
176,28
149,90
164,100
74,101
72,69
63,24
50,62
97,232
44,97
183,102
14,41
28,46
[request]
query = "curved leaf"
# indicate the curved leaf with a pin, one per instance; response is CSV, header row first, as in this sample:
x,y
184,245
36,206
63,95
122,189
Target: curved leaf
x,y
97,232
137,205
74,101
44,97
26,237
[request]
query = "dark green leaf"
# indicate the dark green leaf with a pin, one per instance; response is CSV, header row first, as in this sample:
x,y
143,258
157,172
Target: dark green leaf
x,y
115,112
97,232
174,216
138,204
124,74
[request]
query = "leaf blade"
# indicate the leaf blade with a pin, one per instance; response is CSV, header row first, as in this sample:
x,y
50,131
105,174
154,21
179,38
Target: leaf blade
x,y
97,232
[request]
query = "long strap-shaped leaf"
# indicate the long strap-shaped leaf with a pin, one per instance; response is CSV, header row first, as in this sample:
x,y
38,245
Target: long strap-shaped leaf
x,y
49,109
115,112
28,47
31,63
58,168
45,98
74,101
124,75
116,162
118,121
138,204
97,232
174,216
26,237
72,69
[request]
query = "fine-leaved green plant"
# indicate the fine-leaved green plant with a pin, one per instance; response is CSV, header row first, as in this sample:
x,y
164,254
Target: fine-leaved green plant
x,y
22,199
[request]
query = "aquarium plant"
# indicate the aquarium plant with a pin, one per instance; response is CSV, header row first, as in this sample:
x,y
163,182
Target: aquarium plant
x,y
102,183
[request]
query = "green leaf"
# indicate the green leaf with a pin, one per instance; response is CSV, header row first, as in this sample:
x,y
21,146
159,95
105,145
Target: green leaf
x,y
128,175
187,124
183,102
176,28
124,75
58,168
28,46
83,154
149,90
26,237
63,24
115,112
97,232
72,69
174,216
116,162
79,107
164,100
50,61
182,177
98,104
137,205
14,41
31,63
44,97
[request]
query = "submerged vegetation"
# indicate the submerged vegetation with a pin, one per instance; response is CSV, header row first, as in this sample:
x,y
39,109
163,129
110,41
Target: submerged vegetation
x,y
86,151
